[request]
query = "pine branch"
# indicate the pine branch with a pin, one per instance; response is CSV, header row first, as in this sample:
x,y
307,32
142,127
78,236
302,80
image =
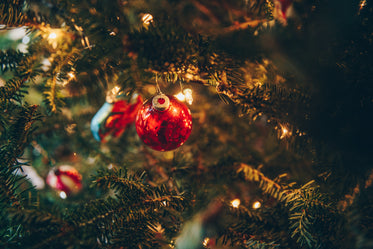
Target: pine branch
x,y
11,90
307,207
267,185
52,97
243,213
130,218
24,70
123,183
9,60
17,133
269,100
15,136
254,244
309,210
11,12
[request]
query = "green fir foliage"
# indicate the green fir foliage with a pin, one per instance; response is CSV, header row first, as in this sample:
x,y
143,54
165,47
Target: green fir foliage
x,y
281,105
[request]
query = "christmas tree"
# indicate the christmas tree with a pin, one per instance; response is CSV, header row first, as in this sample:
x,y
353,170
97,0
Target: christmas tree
x,y
186,124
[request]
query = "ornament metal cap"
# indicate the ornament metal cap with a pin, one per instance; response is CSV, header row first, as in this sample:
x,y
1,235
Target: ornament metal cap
x,y
161,102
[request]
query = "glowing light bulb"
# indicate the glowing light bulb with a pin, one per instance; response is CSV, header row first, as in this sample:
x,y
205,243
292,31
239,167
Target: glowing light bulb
x,y
206,241
188,95
52,36
63,195
180,96
113,94
236,203
115,90
257,205
147,19
71,75
284,132
26,39
362,4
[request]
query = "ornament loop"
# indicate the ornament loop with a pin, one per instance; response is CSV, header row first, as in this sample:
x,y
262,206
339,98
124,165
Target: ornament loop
x,y
161,102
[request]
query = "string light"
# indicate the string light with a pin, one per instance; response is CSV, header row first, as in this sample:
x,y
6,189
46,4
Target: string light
x,y
284,132
113,94
180,96
257,205
185,95
46,63
52,36
188,95
26,39
63,195
236,203
362,4
206,241
71,75
147,19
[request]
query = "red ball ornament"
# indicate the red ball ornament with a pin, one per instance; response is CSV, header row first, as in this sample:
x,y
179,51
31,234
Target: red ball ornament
x,y
65,178
283,9
163,123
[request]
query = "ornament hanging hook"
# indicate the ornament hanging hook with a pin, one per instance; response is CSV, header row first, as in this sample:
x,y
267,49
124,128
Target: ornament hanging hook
x,y
157,85
181,85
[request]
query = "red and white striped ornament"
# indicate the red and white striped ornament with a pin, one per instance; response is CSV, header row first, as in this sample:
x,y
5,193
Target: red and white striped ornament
x,y
283,10
65,179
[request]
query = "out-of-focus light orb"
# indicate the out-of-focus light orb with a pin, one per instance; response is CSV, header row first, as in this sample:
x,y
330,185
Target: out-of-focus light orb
x,y
206,241
63,195
188,96
147,18
236,203
180,96
26,39
257,205
52,36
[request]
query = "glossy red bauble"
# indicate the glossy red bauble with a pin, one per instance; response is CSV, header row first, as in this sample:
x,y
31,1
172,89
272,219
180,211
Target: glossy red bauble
x,y
163,123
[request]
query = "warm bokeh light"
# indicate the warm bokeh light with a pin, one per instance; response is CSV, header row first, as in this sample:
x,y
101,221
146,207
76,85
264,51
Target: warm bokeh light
x,y
52,36
236,203
63,195
257,205
71,75
362,4
180,96
112,95
185,96
188,96
206,241
284,132
147,19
